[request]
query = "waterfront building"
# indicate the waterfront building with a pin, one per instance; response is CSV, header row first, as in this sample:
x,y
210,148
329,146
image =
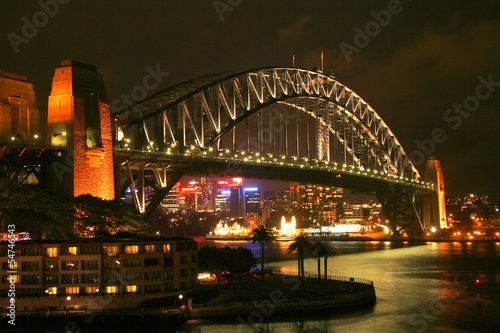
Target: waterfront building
x,y
124,269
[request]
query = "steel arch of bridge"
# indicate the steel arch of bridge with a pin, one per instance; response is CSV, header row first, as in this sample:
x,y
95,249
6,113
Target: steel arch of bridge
x,y
200,111
192,117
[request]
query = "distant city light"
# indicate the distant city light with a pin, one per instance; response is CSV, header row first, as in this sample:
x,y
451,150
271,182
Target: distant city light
x,y
251,189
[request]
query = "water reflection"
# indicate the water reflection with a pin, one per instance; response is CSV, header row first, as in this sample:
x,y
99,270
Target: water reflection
x,y
425,286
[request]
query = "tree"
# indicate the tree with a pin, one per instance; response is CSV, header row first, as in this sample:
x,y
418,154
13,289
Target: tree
x,y
237,262
325,250
318,256
49,215
262,235
302,245
42,213
95,216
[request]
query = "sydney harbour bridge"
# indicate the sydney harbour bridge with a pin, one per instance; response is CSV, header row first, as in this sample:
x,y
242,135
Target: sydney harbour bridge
x,y
280,123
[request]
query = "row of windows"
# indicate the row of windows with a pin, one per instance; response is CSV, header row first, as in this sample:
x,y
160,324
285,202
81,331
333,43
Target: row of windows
x,y
129,289
109,250
113,277
67,265
52,278
28,266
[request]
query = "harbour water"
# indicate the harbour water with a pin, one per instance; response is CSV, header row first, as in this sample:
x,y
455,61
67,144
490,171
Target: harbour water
x,y
425,287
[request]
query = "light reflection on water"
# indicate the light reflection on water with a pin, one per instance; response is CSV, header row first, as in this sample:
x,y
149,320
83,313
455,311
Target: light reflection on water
x,y
426,287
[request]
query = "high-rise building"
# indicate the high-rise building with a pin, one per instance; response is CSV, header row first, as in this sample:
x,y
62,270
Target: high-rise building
x,y
252,200
208,193
236,202
222,194
222,200
171,201
321,201
193,196
352,213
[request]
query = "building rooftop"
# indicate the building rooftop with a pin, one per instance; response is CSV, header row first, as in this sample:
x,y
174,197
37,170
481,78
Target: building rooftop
x,y
117,238
18,77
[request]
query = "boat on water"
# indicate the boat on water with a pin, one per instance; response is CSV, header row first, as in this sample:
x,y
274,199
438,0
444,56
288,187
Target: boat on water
x,y
284,238
227,238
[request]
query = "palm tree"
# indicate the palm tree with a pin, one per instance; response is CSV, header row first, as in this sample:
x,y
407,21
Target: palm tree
x,y
301,245
262,235
318,255
325,250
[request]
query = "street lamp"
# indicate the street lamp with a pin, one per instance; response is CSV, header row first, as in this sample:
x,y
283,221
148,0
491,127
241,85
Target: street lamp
x,y
68,298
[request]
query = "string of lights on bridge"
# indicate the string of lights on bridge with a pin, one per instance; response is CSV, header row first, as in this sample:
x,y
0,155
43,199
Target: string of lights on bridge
x,y
282,160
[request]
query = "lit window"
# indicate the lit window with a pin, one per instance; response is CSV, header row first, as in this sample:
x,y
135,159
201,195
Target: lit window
x,y
112,289
72,250
90,290
52,290
72,290
52,252
131,249
166,248
132,289
111,250
149,248
10,278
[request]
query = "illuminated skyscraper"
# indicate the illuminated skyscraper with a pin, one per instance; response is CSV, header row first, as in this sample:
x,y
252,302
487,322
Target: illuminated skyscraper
x,y
171,202
252,199
321,201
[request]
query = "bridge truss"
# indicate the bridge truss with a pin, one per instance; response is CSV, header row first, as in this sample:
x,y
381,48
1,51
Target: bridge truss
x,y
288,117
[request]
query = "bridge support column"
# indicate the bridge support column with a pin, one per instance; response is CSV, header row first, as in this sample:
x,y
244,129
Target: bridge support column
x,y
434,206
79,119
400,209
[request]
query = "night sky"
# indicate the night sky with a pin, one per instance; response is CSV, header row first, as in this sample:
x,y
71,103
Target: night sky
x,y
412,66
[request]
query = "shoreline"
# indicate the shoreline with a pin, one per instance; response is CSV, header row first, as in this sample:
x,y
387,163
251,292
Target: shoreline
x,y
282,293
364,239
